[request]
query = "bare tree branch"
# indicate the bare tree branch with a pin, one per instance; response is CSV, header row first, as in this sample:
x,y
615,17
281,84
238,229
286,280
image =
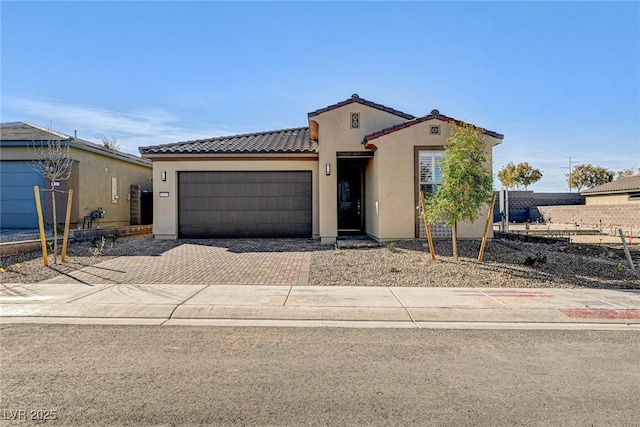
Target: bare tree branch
x,y
110,143
53,161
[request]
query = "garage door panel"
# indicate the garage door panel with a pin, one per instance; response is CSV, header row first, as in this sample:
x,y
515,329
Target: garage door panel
x,y
17,200
249,177
202,218
238,231
245,204
239,190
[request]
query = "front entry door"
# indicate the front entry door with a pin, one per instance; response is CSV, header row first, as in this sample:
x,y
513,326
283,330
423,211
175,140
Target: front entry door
x,y
350,197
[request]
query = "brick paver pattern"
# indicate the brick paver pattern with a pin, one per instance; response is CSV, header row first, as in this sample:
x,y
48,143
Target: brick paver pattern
x,y
207,262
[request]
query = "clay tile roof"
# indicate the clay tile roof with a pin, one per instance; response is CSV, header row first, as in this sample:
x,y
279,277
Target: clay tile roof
x,y
622,185
435,114
356,99
284,141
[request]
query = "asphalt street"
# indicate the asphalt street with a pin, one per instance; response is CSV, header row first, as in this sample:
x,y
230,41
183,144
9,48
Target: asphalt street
x,y
79,375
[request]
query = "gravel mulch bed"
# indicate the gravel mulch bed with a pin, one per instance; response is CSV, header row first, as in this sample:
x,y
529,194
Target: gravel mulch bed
x,y
507,264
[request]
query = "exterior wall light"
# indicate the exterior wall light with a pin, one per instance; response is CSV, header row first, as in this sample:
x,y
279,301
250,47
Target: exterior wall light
x,y
163,175
328,168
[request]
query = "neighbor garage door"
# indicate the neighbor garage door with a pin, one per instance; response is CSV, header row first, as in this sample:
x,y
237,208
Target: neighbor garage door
x,y
244,204
17,199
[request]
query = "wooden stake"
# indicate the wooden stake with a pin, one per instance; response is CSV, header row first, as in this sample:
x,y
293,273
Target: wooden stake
x,y
626,249
426,225
43,238
486,228
65,240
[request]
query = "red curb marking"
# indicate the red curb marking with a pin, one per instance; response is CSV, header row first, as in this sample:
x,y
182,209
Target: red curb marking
x,y
601,313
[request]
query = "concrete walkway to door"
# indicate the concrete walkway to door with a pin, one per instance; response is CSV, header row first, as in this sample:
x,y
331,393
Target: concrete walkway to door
x,y
206,262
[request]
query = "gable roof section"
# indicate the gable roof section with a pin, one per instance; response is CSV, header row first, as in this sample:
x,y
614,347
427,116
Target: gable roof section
x,y
435,114
356,99
284,141
623,185
23,133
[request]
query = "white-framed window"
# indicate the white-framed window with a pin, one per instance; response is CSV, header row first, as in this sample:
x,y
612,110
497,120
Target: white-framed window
x,y
429,176
429,170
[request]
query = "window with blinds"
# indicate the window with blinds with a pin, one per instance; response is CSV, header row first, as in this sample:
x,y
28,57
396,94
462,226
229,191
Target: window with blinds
x,y
429,170
429,177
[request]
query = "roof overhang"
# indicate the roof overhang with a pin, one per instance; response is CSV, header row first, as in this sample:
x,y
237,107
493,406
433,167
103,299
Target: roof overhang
x,y
173,157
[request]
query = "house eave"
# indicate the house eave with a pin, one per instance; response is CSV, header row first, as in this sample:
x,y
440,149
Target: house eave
x,y
84,146
173,157
608,193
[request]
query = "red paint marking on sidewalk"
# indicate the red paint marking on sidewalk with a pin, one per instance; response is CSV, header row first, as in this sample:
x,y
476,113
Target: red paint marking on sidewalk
x,y
601,313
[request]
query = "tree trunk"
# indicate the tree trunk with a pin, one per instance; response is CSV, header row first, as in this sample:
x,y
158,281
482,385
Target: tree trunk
x,y
55,224
454,238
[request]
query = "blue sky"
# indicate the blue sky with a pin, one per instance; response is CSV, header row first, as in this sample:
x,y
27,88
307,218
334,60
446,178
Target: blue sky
x,y
558,80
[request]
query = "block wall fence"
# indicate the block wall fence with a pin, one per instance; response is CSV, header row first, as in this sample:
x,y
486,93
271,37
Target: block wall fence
x,y
595,216
523,205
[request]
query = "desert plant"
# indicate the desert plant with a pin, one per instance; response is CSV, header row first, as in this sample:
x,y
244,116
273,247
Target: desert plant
x,y
539,259
99,248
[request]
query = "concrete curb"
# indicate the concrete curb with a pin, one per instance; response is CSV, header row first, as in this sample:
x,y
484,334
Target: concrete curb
x,y
310,306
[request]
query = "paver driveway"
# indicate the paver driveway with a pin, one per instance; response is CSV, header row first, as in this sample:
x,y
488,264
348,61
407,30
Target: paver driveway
x,y
208,262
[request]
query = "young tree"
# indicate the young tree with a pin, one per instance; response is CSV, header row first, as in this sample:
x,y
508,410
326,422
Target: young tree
x,y
467,184
587,175
527,175
53,161
508,176
520,175
110,143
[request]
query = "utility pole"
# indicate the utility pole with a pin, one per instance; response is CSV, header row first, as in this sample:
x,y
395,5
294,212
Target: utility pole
x,y
569,177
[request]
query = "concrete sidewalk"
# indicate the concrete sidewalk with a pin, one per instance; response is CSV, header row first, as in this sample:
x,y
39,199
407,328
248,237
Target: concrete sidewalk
x,y
395,307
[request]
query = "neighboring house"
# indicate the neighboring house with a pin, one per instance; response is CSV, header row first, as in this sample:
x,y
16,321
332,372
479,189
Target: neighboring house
x,y
621,191
100,177
357,168
607,207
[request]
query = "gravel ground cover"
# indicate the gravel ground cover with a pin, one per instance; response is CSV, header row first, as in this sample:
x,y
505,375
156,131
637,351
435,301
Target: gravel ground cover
x,y
507,264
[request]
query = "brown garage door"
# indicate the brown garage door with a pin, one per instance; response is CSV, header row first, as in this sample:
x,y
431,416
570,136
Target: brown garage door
x,y
244,204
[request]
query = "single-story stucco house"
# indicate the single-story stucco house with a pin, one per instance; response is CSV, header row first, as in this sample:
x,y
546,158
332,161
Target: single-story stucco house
x,y
100,178
621,191
357,168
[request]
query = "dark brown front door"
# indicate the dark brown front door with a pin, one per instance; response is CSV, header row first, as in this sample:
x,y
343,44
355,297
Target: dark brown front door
x,y
350,197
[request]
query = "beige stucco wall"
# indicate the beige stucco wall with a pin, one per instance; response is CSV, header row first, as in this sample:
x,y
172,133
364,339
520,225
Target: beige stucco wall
x,y
165,209
610,199
94,187
397,196
335,134
91,183
371,196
